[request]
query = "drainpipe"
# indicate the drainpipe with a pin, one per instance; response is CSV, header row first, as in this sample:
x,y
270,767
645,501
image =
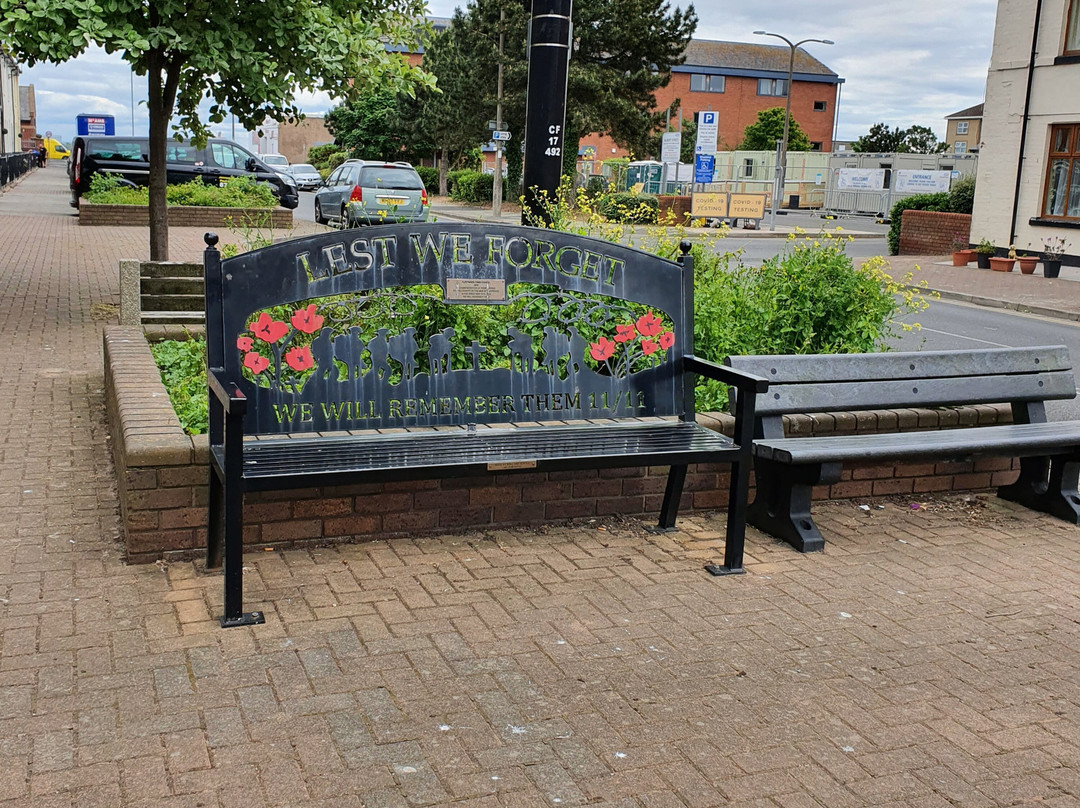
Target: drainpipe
x,y
1024,121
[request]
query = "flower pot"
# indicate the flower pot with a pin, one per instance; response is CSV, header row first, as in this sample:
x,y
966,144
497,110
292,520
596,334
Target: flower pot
x,y
983,260
1051,269
1027,264
961,258
1002,264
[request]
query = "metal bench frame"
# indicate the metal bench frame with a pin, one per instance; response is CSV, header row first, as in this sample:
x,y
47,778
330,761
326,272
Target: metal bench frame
x,y
370,412
787,468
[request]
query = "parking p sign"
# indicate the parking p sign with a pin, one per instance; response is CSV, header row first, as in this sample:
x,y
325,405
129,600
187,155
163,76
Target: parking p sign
x,y
708,128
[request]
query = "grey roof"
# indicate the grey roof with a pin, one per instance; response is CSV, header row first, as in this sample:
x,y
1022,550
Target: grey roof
x,y
751,56
971,112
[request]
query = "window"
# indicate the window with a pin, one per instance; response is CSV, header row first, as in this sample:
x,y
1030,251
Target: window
x,y
700,83
961,127
1063,171
775,86
748,167
960,147
1072,35
820,106
181,153
815,145
227,155
131,150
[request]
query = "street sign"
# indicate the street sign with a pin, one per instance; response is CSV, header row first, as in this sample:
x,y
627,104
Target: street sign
x,y
500,135
703,167
707,132
670,146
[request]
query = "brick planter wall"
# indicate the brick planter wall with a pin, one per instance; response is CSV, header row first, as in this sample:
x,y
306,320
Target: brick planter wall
x,y
673,209
187,216
926,232
162,475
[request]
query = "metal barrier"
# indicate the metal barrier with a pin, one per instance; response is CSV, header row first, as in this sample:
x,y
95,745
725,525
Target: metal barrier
x,y
13,166
856,203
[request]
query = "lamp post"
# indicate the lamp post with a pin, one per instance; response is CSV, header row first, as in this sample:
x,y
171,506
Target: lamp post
x,y
497,186
781,166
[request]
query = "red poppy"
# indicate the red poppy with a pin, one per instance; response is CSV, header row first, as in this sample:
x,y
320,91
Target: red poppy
x,y
648,347
602,350
649,325
666,340
244,343
268,329
307,320
256,363
625,333
300,358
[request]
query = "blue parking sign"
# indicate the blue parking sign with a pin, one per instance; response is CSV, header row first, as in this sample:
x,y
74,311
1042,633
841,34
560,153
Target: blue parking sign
x,y
703,167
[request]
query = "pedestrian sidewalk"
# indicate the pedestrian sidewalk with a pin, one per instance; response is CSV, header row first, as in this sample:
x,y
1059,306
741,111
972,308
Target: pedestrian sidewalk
x,y
927,658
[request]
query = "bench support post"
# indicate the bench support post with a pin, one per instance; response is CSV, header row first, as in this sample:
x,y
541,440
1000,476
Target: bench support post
x,y
233,503
1047,484
781,507
672,496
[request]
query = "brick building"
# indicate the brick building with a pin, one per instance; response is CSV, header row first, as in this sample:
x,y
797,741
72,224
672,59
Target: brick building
x,y
740,79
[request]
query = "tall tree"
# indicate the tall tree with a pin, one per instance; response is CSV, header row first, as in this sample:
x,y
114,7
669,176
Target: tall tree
x,y
366,126
249,59
769,128
880,138
922,140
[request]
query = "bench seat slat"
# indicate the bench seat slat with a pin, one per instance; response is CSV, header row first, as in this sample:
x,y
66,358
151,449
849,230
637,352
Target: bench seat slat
x,y
268,463
1017,440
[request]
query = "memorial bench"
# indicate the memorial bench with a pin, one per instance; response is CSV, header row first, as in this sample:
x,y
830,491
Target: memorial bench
x,y
787,468
332,360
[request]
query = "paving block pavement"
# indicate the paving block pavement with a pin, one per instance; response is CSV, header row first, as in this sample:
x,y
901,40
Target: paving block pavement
x,y
927,658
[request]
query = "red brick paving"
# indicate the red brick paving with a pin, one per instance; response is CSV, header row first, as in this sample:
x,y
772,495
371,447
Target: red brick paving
x,y
927,658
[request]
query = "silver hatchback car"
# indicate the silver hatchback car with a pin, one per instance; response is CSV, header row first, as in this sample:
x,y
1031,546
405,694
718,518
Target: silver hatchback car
x,y
370,192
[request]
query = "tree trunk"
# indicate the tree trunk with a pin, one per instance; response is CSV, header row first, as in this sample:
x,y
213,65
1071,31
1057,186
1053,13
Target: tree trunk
x,y
163,78
444,170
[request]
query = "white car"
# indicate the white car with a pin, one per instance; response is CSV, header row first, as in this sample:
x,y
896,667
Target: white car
x,y
275,161
306,175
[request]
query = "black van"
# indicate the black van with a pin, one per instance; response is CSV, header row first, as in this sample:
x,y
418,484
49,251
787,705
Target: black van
x,y
129,159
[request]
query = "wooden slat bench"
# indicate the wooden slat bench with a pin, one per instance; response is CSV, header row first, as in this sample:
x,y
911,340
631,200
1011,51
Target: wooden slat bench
x,y
787,468
322,370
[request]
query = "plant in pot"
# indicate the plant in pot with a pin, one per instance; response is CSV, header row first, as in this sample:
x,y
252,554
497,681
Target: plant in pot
x,y
1053,249
983,252
962,254
1027,262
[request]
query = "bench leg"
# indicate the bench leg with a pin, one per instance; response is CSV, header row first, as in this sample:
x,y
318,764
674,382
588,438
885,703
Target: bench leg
x,y
215,522
781,506
672,496
736,522
233,505
1047,484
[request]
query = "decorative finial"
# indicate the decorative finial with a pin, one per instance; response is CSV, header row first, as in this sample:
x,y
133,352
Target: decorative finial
x,y
211,239
684,247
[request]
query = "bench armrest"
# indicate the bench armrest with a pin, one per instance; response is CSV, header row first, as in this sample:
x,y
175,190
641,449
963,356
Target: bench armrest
x,y
231,397
741,380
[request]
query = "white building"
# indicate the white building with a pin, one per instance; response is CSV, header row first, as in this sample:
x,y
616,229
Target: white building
x,y
10,120
1028,187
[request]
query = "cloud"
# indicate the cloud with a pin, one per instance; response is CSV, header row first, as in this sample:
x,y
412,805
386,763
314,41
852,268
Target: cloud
x,y
902,63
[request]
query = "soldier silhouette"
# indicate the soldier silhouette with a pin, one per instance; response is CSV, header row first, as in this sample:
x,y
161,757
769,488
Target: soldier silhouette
x,y
578,346
439,346
322,351
403,348
378,351
555,346
521,351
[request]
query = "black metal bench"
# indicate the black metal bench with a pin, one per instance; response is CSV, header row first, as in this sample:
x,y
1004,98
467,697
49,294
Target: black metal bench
x,y
787,468
321,342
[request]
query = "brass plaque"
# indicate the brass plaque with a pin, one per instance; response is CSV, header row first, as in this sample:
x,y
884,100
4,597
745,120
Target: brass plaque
x,y
475,290
708,206
510,466
747,206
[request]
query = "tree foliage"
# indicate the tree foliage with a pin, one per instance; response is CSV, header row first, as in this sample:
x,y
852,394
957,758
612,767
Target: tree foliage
x,y
248,61
769,128
366,127
916,139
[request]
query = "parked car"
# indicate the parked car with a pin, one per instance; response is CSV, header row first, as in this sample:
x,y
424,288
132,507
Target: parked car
x,y
275,161
371,192
306,176
128,159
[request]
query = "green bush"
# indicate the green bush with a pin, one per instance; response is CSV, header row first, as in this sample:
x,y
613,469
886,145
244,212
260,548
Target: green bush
x,y
473,186
630,208
430,177
596,185
336,159
183,370
319,155
936,202
237,192
962,195
452,179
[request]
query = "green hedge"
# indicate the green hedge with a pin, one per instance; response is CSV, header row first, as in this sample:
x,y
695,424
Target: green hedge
x,y
430,177
473,186
630,208
959,199
237,192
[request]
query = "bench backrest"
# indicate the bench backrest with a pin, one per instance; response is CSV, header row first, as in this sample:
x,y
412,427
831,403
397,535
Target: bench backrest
x,y
846,382
376,327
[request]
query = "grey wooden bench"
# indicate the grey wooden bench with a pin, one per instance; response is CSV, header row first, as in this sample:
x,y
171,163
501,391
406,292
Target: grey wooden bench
x,y
161,293
334,360
787,468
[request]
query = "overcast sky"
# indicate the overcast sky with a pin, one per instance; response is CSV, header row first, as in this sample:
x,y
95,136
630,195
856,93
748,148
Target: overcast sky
x,y
904,63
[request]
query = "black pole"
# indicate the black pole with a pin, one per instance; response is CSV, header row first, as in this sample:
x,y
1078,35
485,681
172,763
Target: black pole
x,y
545,110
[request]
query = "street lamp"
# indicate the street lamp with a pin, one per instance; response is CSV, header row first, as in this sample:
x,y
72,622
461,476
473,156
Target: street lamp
x,y
781,168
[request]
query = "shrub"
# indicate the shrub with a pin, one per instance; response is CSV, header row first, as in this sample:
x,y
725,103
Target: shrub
x,y
430,177
183,370
962,195
319,155
473,186
237,192
630,208
596,185
937,202
336,159
452,179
